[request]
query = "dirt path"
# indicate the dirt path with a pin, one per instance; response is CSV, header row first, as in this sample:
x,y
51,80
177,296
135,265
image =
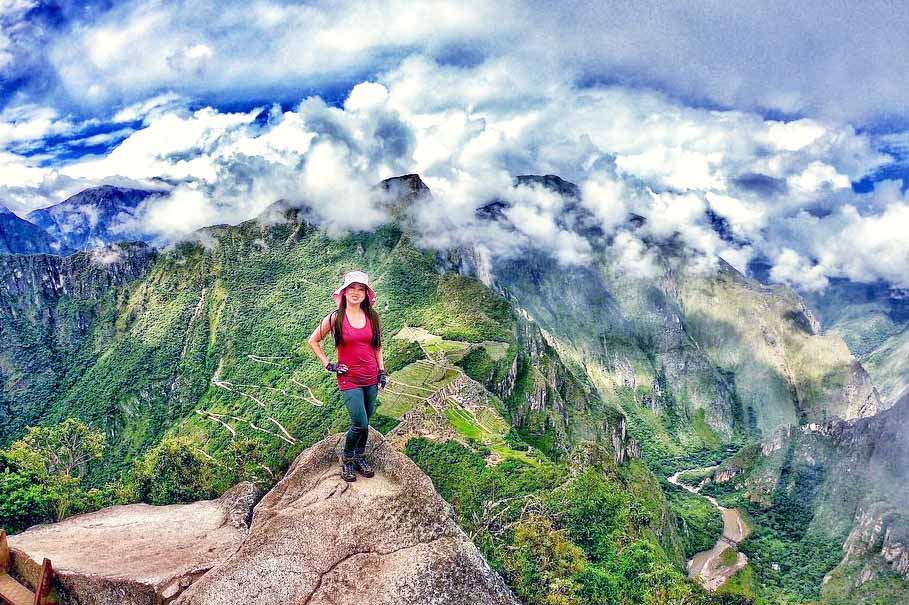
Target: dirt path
x,y
706,565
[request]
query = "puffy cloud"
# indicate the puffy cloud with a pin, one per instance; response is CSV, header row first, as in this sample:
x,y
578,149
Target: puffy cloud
x,y
723,184
866,240
634,258
789,266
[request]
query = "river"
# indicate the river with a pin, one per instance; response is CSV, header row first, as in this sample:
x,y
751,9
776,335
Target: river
x,y
706,565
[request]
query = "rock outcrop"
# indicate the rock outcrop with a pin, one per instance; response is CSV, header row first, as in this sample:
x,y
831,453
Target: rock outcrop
x,y
316,539
136,554
879,532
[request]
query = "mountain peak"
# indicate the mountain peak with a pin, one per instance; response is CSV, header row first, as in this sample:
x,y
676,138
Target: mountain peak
x,y
409,186
550,181
19,236
95,216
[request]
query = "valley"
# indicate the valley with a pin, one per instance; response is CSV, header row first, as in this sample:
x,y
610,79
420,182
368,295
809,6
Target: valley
x,y
709,566
592,429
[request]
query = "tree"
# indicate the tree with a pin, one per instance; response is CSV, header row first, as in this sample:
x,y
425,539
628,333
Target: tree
x,y
57,457
63,450
543,563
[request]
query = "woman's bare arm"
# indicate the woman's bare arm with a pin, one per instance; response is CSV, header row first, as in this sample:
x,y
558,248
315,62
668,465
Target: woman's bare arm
x,y
379,359
315,339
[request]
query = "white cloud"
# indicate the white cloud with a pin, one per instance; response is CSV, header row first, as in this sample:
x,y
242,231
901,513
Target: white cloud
x,y
22,123
142,109
203,47
851,73
467,130
634,258
790,267
867,240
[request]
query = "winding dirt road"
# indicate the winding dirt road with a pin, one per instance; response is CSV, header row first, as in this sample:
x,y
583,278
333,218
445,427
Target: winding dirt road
x,y
706,565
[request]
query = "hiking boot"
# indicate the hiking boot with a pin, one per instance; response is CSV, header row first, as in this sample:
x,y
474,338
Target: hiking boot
x,y
348,469
363,467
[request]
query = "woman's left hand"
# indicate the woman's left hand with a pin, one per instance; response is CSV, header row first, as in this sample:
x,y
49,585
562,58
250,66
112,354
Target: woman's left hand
x,y
383,379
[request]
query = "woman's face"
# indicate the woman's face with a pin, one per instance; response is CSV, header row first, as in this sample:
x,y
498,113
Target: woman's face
x,y
355,292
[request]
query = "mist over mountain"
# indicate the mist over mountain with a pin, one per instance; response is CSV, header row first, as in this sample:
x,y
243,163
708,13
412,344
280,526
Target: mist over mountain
x,y
95,217
19,236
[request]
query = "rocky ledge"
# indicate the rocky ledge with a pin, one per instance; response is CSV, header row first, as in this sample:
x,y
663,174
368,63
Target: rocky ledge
x,y
316,539
313,539
136,554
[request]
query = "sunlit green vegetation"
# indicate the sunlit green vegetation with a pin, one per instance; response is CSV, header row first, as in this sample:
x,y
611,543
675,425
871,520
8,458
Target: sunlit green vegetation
x,y
560,537
700,524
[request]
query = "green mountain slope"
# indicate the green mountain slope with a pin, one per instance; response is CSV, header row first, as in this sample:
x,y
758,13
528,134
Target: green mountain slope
x,y
208,342
873,319
889,365
527,382
57,315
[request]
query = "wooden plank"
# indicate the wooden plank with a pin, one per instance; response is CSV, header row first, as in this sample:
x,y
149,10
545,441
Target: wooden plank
x,y
4,553
15,593
43,594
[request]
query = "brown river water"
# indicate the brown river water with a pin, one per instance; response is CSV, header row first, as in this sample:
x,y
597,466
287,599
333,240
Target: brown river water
x,y
705,566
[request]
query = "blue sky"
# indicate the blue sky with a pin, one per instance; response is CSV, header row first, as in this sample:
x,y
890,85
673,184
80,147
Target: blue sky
x,y
668,111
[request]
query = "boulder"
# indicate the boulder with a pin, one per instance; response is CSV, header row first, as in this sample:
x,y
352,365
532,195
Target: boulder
x,y
315,539
136,554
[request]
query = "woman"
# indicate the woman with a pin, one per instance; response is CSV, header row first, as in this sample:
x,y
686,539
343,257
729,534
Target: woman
x,y
360,368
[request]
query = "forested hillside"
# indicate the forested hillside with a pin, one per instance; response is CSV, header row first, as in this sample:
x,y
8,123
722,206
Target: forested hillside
x,y
548,403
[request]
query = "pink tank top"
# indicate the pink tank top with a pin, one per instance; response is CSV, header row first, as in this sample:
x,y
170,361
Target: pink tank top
x,y
357,353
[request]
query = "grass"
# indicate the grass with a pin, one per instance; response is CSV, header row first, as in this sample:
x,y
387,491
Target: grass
x,y
743,583
417,381
729,557
496,350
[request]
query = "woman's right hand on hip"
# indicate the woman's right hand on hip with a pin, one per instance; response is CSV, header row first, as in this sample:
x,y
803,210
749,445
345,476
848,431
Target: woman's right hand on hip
x,y
338,368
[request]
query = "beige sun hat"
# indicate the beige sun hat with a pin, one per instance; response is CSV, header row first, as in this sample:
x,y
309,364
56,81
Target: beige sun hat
x,y
351,277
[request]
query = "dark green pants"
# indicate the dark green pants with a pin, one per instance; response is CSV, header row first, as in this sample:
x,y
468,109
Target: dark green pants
x,y
361,403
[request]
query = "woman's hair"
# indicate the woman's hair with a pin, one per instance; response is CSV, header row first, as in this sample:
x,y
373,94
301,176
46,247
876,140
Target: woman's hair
x,y
370,313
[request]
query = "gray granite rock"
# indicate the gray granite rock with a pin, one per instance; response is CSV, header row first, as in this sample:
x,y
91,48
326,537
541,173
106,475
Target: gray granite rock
x,y
390,539
136,554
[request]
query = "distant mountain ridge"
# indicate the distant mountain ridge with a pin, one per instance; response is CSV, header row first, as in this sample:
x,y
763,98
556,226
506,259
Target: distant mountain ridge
x,y
19,236
677,368
95,217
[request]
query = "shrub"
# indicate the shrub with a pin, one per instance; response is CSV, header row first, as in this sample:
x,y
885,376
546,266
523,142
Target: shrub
x,y
174,471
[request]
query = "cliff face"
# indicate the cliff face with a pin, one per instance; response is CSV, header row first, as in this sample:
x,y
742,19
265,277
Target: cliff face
x,y
49,307
40,280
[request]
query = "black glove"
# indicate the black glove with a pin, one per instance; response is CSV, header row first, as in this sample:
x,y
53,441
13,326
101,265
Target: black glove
x,y
383,379
338,368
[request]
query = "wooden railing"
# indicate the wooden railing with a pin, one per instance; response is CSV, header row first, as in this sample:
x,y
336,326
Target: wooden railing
x,y
14,593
